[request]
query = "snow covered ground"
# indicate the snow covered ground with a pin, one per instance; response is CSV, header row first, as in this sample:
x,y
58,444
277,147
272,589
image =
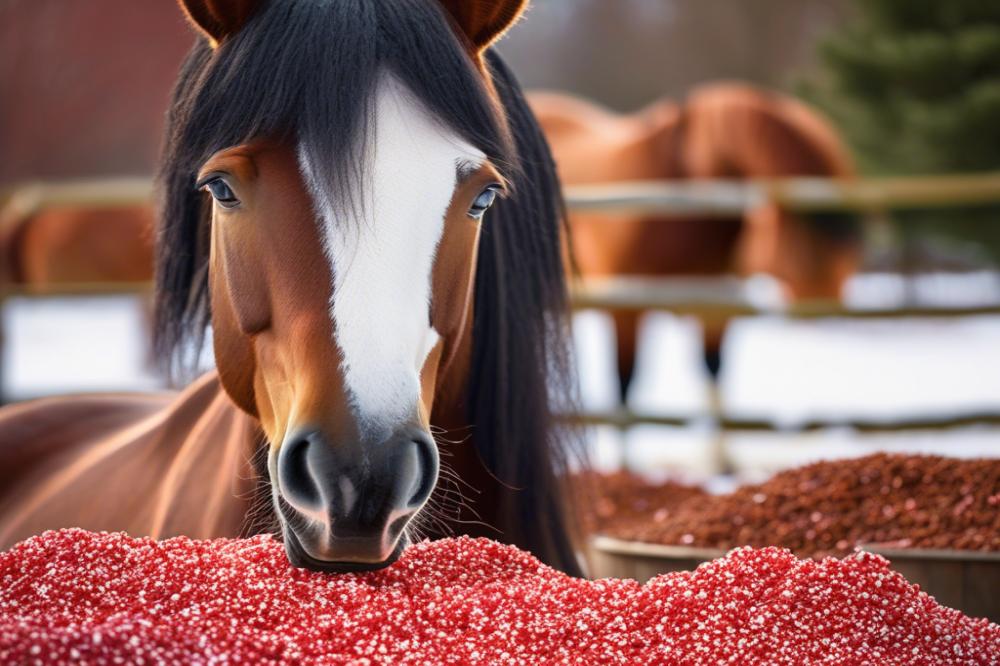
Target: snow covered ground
x,y
65,345
790,371
777,369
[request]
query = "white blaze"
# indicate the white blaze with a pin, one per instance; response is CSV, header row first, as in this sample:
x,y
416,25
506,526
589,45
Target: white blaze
x,y
382,263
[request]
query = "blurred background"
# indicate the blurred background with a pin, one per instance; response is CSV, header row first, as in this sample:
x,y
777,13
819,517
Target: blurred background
x,y
906,357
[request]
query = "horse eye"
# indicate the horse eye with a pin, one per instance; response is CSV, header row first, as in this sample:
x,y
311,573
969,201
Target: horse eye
x,y
221,192
483,202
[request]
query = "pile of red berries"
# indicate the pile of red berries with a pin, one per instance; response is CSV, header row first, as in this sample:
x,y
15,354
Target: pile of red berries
x,y
826,508
620,500
77,597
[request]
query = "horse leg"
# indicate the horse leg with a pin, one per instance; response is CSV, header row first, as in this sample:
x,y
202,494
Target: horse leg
x,y
626,334
627,330
712,349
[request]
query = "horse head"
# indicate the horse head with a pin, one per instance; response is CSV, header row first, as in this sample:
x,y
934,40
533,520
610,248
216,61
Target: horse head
x,y
329,171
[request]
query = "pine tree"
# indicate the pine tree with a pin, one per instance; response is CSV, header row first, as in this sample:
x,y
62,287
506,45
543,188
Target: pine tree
x,y
915,87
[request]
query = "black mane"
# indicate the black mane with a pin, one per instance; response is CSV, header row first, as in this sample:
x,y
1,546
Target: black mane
x,y
306,72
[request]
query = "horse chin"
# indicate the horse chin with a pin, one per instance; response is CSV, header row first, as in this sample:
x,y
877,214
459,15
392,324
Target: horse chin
x,y
300,557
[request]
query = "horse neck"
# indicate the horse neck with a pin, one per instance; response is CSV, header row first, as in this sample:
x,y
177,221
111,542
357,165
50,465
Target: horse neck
x,y
211,451
151,466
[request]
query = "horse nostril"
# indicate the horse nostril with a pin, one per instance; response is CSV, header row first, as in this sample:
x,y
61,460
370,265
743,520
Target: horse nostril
x,y
426,471
396,527
297,483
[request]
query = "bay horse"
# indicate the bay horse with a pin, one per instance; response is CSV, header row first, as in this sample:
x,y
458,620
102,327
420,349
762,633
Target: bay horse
x,y
67,245
722,130
359,205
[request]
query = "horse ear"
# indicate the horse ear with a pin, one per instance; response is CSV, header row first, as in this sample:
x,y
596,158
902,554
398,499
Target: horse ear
x,y
484,21
218,19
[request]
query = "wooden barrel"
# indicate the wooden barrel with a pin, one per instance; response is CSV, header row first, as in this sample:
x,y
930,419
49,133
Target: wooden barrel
x,y
968,580
614,558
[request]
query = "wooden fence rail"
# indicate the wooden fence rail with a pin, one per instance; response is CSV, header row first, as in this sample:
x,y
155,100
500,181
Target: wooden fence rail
x,y
624,418
708,197
732,197
25,199
723,303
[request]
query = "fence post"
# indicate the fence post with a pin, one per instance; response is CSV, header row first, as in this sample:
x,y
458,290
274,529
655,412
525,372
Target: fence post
x,y
718,452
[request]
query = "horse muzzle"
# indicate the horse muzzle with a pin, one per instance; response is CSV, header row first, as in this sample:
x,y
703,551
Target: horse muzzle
x,y
346,507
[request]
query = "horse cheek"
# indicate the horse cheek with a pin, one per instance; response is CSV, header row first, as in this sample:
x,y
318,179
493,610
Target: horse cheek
x,y
239,310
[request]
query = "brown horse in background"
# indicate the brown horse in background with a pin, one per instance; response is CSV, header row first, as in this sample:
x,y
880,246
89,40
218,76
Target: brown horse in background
x,y
74,244
723,130
359,202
